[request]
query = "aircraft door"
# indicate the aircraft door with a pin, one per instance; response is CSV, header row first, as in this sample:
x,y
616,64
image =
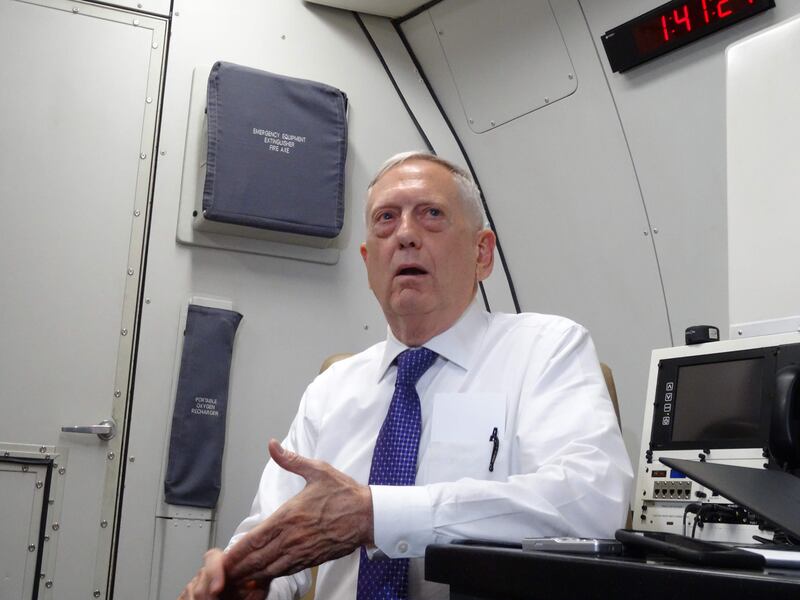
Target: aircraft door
x,y
78,118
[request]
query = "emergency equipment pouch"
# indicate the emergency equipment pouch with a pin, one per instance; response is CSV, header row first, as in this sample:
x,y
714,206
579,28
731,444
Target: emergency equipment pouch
x,y
276,152
197,438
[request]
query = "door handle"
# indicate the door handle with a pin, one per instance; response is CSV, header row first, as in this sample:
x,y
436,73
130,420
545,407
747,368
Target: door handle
x,y
105,430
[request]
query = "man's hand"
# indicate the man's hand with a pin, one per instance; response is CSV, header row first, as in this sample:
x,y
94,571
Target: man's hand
x,y
330,518
209,583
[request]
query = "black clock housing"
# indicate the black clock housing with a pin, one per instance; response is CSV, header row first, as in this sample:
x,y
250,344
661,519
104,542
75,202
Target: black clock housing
x,y
673,25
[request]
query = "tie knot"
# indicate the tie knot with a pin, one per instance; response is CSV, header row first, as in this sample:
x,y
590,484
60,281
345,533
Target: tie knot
x,y
412,363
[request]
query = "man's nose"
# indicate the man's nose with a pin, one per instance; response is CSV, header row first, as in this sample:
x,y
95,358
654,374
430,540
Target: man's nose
x,y
408,231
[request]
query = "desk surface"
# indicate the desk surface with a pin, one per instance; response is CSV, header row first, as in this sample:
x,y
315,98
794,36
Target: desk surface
x,y
483,572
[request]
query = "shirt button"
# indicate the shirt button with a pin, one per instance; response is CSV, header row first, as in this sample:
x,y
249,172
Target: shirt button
x,y
402,547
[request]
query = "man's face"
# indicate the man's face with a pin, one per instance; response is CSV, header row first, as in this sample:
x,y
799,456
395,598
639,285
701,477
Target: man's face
x,y
424,256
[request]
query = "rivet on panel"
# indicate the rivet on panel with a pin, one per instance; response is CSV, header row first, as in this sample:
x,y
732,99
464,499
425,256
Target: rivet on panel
x,y
136,22
147,300
491,123
163,153
547,100
136,213
55,526
646,233
177,14
24,468
124,332
130,271
48,584
739,332
132,459
75,10
655,230
47,538
155,45
103,523
283,37
39,485
366,327
117,393
110,456
440,32
149,100
42,449
139,5
472,120
31,548
42,575
96,593
6,453
571,76
143,156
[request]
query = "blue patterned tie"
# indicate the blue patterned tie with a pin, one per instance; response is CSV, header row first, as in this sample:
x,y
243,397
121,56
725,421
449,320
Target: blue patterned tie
x,y
394,462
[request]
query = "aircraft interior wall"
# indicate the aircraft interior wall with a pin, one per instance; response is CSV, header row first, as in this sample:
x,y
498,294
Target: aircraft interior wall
x,y
609,203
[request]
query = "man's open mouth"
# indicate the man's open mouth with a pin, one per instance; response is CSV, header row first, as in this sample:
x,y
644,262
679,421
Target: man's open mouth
x,y
412,271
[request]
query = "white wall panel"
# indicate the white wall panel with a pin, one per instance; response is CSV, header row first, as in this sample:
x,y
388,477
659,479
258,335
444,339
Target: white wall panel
x,y
763,90
563,194
673,113
295,313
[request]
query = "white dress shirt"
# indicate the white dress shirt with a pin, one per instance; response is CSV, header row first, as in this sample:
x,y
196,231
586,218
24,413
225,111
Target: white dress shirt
x,y
561,467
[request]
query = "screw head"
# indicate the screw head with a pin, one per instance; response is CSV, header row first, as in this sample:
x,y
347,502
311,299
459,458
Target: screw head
x,y
149,100
571,76
136,22
155,45
103,523
31,548
143,156
96,593
132,459
39,485
124,332
55,526
547,100
117,393
75,10
110,456
48,584
42,449
130,271
25,468
136,213
655,230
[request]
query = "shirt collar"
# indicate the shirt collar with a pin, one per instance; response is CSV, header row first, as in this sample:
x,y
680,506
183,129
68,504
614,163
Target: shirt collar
x,y
459,344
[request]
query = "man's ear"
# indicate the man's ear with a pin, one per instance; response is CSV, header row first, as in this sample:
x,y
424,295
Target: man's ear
x,y
364,251
485,259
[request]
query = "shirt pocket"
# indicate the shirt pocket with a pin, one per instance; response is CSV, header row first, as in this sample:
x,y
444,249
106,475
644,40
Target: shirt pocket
x,y
461,444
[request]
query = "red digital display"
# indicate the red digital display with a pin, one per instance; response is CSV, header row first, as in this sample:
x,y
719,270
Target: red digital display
x,y
692,15
673,25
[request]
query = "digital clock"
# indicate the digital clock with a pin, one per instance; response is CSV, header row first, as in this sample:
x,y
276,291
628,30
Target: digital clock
x,y
673,25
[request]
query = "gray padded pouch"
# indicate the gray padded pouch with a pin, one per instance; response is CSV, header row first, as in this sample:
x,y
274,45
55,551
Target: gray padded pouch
x,y
197,438
276,152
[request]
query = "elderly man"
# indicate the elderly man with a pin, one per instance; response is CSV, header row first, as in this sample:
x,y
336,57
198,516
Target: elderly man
x,y
462,424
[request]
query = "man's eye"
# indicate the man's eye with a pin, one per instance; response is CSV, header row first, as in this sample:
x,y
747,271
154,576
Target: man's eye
x,y
384,216
434,212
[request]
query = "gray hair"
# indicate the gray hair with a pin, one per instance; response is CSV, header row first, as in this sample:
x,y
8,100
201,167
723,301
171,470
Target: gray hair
x,y
469,194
